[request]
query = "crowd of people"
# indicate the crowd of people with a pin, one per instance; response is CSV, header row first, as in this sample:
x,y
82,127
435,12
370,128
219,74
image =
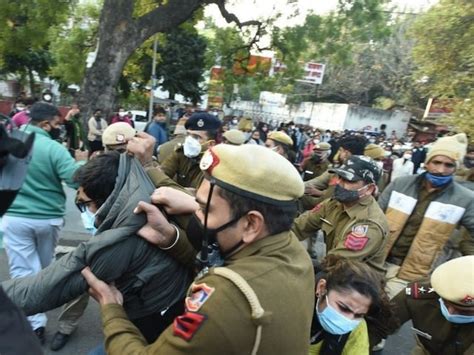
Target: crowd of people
x,y
233,236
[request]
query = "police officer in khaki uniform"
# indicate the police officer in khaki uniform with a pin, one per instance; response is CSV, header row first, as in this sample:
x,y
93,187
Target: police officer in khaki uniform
x,y
179,135
442,311
280,142
353,224
233,136
183,165
261,300
322,187
316,164
117,135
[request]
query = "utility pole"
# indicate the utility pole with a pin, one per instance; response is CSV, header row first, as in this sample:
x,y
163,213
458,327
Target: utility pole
x,y
153,79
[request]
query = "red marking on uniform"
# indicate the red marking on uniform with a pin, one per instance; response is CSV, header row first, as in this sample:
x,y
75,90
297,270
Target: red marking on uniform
x,y
355,242
334,180
317,208
186,325
468,300
215,161
414,290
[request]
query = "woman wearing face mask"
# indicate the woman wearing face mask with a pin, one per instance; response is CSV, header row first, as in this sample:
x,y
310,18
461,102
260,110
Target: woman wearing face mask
x,y
442,309
349,295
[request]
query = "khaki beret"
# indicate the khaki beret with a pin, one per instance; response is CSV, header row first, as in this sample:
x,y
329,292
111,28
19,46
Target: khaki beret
x,y
118,133
322,146
453,147
234,136
245,124
280,137
374,151
454,281
253,171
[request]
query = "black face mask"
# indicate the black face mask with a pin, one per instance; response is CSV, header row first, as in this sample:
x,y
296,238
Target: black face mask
x,y
469,162
55,133
344,195
196,234
316,158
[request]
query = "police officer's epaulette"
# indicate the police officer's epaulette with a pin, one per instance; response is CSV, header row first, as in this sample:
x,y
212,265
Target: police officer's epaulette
x,y
420,290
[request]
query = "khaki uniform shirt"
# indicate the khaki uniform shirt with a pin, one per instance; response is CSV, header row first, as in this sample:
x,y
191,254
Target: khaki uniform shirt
x,y
185,170
217,318
434,333
312,170
167,148
359,232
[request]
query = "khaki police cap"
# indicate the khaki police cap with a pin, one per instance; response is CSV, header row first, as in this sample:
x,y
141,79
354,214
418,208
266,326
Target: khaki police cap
x,y
454,281
234,136
254,172
374,151
245,124
281,137
118,133
322,146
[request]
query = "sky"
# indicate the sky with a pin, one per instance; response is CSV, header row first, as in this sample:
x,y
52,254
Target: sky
x,y
258,9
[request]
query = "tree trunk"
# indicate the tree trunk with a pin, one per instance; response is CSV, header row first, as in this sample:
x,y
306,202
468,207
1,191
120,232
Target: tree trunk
x,y
119,35
31,82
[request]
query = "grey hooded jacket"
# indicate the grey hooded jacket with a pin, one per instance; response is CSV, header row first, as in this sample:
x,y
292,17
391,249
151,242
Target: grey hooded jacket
x,y
149,279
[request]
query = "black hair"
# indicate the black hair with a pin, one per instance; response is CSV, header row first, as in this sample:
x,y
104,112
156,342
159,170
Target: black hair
x,y
159,111
97,177
213,134
41,111
277,219
354,144
344,275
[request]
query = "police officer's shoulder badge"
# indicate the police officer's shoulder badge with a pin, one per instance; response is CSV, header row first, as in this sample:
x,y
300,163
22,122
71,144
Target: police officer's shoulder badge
x,y
200,293
357,239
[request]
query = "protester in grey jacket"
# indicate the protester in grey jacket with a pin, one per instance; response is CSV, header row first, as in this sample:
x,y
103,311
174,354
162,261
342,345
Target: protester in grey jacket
x,y
150,280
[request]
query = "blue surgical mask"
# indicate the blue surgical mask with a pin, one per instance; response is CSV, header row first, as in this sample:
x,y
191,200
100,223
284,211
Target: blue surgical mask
x,y
438,180
454,318
333,322
88,220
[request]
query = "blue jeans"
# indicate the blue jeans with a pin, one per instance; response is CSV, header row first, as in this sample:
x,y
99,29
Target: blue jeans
x,y
98,350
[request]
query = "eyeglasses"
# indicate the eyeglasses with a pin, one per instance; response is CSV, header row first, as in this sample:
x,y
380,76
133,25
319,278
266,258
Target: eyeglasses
x,y
81,205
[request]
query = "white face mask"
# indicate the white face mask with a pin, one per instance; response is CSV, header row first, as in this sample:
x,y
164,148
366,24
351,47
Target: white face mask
x,y
88,220
191,147
407,156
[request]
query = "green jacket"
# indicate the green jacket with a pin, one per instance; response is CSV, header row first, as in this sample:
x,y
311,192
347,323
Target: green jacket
x,y
357,343
42,195
218,318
